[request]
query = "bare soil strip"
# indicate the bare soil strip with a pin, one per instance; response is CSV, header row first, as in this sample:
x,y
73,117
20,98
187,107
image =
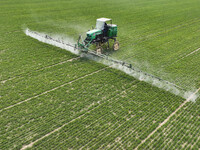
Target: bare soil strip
x,y
20,75
167,119
52,89
32,143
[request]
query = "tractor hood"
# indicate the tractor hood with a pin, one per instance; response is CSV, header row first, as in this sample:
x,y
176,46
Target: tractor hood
x,y
93,31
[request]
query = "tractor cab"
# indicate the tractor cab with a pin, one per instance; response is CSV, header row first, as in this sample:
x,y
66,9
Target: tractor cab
x,y
106,26
103,32
101,23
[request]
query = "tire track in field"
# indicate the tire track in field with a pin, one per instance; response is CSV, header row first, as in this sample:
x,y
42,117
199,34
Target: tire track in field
x,y
43,93
48,134
167,119
181,57
90,106
168,128
133,85
187,55
122,130
21,75
140,123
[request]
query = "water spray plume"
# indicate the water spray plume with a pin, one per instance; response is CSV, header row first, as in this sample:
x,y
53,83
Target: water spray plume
x,y
68,44
63,42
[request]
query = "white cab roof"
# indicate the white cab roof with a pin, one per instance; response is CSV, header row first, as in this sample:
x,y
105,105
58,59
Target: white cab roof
x,y
103,19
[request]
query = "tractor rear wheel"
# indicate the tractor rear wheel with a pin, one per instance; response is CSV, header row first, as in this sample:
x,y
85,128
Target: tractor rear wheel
x,y
116,46
99,50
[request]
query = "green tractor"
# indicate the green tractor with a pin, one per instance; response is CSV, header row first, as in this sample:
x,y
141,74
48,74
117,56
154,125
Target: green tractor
x,y
103,32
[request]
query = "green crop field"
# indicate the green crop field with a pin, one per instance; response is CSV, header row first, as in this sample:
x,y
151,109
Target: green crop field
x,y
53,99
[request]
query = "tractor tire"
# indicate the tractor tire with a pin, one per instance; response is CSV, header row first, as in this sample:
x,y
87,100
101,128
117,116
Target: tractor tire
x,y
116,46
99,50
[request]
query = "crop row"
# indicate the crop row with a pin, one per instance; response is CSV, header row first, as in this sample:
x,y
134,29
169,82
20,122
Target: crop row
x,y
161,55
117,111
165,41
125,120
180,132
187,72
138,26
37,82
34,55
28,121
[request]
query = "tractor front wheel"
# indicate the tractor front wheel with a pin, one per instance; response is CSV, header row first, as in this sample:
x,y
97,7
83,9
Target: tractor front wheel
x,y
116,46
99,50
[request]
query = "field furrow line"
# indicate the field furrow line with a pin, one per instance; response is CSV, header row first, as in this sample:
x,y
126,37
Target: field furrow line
x,y
168,130
179,136
110,132
83,147
187,55
109,102
167,119
4,81
53,65
128,133
163,32
32,143
196,20
182,137
167,43
112,125
193,52
43,93
137,124
60,63
198,139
